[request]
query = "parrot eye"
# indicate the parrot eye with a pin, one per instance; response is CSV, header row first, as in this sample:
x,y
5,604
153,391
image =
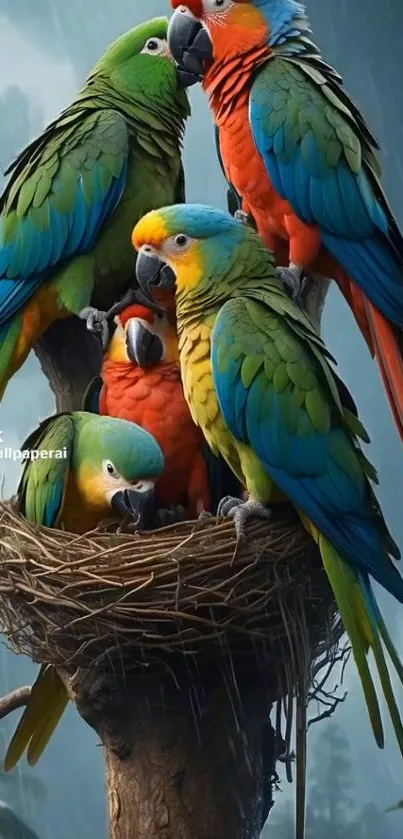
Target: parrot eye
x,y
110,469
154,46
214,5
181,240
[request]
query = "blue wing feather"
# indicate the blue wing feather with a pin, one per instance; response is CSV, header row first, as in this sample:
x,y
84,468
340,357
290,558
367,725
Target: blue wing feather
x,y
53,503
319,471
15,293
358,231
45,236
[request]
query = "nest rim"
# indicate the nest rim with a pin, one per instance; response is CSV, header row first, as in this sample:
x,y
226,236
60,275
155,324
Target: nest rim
x,y
187,590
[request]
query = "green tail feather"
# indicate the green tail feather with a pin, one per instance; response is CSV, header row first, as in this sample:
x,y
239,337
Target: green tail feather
x,y
378,633
44,731
365,627
9,334
394,655
45,707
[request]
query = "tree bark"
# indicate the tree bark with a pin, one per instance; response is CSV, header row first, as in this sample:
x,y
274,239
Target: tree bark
x,y
313,299
70,356
181,762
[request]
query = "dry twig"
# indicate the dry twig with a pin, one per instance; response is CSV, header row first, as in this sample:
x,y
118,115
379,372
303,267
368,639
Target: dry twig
x,y
12,701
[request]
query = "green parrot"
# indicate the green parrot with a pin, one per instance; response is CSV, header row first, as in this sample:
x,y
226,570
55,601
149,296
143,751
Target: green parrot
x,y
257,378
68,209
82,468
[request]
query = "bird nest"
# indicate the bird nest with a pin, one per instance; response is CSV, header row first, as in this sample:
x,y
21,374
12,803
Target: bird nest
x,y
187,591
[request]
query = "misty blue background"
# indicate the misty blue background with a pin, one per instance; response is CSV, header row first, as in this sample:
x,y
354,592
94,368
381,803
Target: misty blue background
x,y
46,48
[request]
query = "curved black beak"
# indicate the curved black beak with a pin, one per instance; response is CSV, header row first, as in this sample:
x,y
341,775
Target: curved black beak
x,y
140,505
151,273
143,347
190,46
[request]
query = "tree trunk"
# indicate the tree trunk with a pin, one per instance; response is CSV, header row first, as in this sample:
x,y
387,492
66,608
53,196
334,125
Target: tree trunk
x,y
181,762
70,356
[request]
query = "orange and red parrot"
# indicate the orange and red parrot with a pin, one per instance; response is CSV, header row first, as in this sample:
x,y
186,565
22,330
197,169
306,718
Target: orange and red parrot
x,y
141,382
297,151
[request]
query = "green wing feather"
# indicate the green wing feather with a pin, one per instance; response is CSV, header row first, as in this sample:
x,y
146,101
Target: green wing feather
x,y
304,109
63,187
43,483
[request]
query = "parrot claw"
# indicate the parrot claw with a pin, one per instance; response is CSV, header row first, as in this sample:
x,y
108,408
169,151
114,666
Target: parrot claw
x,y
293,280
165,517
240,511
96,321
205,515
243,218
227,504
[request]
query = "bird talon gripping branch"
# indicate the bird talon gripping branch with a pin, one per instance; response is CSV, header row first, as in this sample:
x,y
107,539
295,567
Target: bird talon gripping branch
x,y
240,511
165,517
96,321
227,504
243,218
293,280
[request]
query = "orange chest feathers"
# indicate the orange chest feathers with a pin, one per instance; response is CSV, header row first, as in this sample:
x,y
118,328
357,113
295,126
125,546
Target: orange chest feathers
x,y
155,400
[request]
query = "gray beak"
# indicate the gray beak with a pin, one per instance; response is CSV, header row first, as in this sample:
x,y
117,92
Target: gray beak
x,y
143,348
139,505
151,273
190,46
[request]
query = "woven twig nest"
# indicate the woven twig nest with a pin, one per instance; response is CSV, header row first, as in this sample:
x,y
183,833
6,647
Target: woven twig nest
x,y
187,590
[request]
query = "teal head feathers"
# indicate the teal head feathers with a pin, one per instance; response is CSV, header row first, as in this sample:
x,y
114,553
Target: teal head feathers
x,y
107,466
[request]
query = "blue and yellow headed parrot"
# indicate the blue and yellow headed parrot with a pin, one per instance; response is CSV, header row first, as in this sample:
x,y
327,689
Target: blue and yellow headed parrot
x,y
259,384
82,469
68,210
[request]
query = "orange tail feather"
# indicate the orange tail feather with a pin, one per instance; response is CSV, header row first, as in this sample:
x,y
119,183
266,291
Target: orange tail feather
x,y
384,343
357,303
388,353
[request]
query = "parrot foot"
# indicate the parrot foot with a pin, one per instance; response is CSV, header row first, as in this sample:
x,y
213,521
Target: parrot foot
x,y
96,321
293,280
205,515
240,511
165,517
243,218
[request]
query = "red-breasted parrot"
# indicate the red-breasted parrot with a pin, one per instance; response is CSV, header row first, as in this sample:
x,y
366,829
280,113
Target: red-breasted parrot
x,y
140,381
298,152
82,469
259,384
68,209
